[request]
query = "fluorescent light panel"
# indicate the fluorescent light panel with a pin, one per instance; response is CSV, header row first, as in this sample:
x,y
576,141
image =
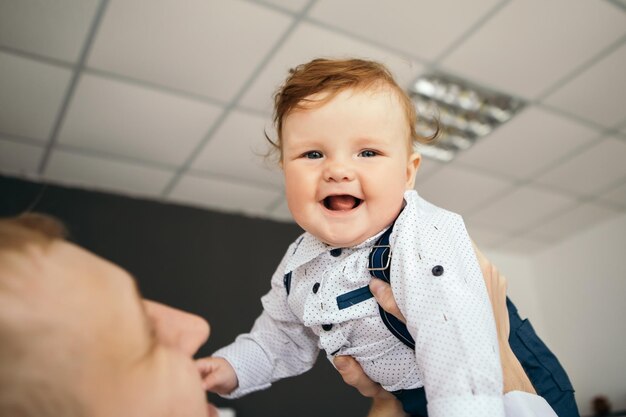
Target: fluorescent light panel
x,y
466,112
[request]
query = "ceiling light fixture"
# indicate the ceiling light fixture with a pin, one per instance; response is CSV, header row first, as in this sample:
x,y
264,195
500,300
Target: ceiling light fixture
x,y
465,112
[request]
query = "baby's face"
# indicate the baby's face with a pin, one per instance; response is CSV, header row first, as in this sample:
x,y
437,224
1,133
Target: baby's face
x,y
347,164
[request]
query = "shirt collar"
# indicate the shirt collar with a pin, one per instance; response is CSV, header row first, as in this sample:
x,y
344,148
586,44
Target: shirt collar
x,y
309,247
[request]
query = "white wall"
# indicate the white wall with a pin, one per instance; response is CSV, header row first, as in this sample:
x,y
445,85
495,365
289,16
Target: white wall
x,y
582,298
522,285
575,295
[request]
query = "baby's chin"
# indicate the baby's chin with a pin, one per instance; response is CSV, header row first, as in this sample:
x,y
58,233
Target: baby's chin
x,y
346,242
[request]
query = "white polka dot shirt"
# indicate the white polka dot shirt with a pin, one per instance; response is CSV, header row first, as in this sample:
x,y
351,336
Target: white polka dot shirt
x,y
448,314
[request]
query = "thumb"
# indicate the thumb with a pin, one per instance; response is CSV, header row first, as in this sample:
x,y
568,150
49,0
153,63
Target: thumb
x,y
341,363
384,296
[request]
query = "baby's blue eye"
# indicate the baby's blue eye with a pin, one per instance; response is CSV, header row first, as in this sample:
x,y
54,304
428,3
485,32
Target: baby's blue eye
x,y
313,155
368,153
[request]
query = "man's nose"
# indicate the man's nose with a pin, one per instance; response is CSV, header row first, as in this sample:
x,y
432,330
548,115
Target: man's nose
x,y
178,329
338,171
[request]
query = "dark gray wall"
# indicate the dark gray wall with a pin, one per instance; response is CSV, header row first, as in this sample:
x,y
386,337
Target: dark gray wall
x,y
212,264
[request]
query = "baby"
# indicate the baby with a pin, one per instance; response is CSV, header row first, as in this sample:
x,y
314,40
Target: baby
x,y
345,136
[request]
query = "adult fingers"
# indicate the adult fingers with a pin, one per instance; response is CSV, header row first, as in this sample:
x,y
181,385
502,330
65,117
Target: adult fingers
x,y
353,375
384,297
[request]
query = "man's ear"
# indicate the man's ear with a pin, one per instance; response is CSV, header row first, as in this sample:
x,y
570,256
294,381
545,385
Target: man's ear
x,y
411,169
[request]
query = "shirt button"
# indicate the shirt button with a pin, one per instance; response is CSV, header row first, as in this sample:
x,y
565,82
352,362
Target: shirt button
x,y
437,270
316,287
335,252
327,327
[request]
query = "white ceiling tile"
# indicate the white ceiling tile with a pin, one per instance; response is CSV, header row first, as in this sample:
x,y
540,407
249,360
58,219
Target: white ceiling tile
x,y
19,158
97,173
404,25
571,222
520,209
237,150
55,29
530,45
616,195
592,171
30,96
523,246
125,119
599,93
528,143
483,236
203,47
291,5
308,42
223,195
460,190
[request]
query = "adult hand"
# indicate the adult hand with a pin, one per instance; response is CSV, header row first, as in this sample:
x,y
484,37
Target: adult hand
x,y
514,376
384,404
496,288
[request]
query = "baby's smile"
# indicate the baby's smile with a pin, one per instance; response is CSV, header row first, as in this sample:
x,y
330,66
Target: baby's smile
x,y
342,202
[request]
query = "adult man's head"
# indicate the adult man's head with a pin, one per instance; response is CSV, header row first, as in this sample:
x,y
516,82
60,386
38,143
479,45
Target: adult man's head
x,y
77,339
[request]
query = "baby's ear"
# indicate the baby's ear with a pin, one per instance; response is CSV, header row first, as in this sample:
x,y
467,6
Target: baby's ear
x,y
411,169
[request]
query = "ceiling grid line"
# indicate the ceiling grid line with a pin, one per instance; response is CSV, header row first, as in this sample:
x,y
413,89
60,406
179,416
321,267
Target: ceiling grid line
x,y
565,193
539,172
572,154
10,137
617,4
571,116
494,199
592,61
36,57
480,23
525,231
79,150
621,126
362,39
41,72
233,179
233,103
612,186
273,6
530,182
80,64
153,86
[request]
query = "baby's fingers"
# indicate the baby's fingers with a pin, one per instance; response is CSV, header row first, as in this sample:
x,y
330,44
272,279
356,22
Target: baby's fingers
x,y
207,367
217,375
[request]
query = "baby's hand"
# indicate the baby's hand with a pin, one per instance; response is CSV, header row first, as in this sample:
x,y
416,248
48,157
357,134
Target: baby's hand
x,y
217,375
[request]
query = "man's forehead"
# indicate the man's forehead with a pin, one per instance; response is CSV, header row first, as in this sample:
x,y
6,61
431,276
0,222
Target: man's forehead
x,y
63,271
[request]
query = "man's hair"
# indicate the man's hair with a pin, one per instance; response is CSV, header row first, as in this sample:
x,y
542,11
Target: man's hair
x,y
332,76
28,388
31,228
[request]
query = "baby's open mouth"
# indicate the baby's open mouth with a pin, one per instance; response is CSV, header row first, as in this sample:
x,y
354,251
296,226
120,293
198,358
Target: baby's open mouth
x,y
342,202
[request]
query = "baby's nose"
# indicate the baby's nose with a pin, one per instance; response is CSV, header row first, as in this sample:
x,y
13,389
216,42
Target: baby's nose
x,y
338,172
